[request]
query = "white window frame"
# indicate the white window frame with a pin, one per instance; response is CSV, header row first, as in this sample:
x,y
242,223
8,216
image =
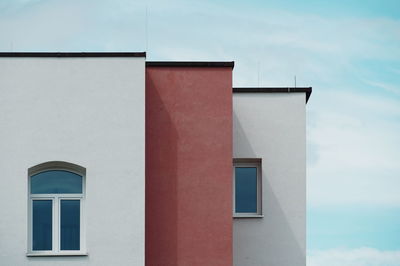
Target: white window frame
x,y
248,162
56,213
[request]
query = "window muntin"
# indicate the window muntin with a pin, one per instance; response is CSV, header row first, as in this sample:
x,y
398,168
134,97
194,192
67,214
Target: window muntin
x,y
56,203
247,188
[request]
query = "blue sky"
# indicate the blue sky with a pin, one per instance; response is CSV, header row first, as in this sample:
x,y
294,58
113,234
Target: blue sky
x,y
348,51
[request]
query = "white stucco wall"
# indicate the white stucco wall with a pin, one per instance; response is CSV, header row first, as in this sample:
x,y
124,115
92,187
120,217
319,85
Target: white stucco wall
x,y
271,126
87,111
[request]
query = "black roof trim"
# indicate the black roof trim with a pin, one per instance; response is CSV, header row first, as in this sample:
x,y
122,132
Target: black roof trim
x,y
72,54
307,90
190,64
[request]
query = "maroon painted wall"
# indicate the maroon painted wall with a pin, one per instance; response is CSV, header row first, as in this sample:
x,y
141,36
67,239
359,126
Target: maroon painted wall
x,y
188,166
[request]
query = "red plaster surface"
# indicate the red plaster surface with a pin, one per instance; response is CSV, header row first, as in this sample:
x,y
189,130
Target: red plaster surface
x,y
188,166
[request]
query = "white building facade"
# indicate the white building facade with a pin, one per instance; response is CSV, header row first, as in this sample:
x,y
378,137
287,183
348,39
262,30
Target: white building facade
x,y
81,113
270,129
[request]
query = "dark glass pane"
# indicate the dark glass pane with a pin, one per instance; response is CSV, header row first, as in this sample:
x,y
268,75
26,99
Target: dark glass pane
x,y
70,224
56,181
42,224
246,189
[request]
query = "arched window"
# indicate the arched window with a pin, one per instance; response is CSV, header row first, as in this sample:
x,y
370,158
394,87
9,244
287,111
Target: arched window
x,y
56,209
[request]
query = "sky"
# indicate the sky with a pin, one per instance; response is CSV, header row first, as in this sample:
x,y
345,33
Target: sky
x,y
348,51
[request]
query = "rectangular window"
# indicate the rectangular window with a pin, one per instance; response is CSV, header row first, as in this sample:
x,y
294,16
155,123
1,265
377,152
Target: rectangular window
x,y
70,224
42,218
247,187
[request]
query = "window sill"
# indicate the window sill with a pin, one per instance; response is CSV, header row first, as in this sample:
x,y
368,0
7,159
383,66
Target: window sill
x,y
248,216
52,254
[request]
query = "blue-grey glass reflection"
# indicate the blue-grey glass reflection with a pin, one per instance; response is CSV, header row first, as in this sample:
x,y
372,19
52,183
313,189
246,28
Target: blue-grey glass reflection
x,y
42,224
70,224
246,189
56,181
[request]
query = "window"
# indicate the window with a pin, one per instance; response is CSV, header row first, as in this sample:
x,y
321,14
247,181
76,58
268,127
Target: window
x,y
56,209
247,188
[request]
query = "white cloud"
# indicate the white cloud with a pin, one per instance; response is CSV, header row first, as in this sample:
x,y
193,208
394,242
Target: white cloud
x,y
353,257
353,146
73,25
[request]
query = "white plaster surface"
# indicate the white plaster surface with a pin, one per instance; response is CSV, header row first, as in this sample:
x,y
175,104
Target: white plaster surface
x,y
272,126
87,111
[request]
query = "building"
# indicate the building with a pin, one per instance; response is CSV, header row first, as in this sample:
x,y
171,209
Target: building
x,y
108,159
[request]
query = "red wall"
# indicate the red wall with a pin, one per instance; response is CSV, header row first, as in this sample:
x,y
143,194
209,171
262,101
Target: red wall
x,y
188,166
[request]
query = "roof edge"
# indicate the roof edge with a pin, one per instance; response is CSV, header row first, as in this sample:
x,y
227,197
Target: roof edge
x,y
72,54
307,90
230,64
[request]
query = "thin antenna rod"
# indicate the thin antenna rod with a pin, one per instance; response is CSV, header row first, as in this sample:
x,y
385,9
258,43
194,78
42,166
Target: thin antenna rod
x,y
258,73
146,30
295,81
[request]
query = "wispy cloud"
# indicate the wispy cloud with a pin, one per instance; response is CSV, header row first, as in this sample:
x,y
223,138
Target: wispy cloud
x,y
12,6
354,140
354,257
395,89
286,43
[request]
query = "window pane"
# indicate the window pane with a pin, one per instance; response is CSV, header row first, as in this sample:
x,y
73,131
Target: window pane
x,y
70,224
56,181
246,189
42,224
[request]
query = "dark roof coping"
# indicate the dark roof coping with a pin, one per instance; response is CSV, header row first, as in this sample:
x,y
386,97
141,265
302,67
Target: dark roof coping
x,y
190,64
307,90
72,54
